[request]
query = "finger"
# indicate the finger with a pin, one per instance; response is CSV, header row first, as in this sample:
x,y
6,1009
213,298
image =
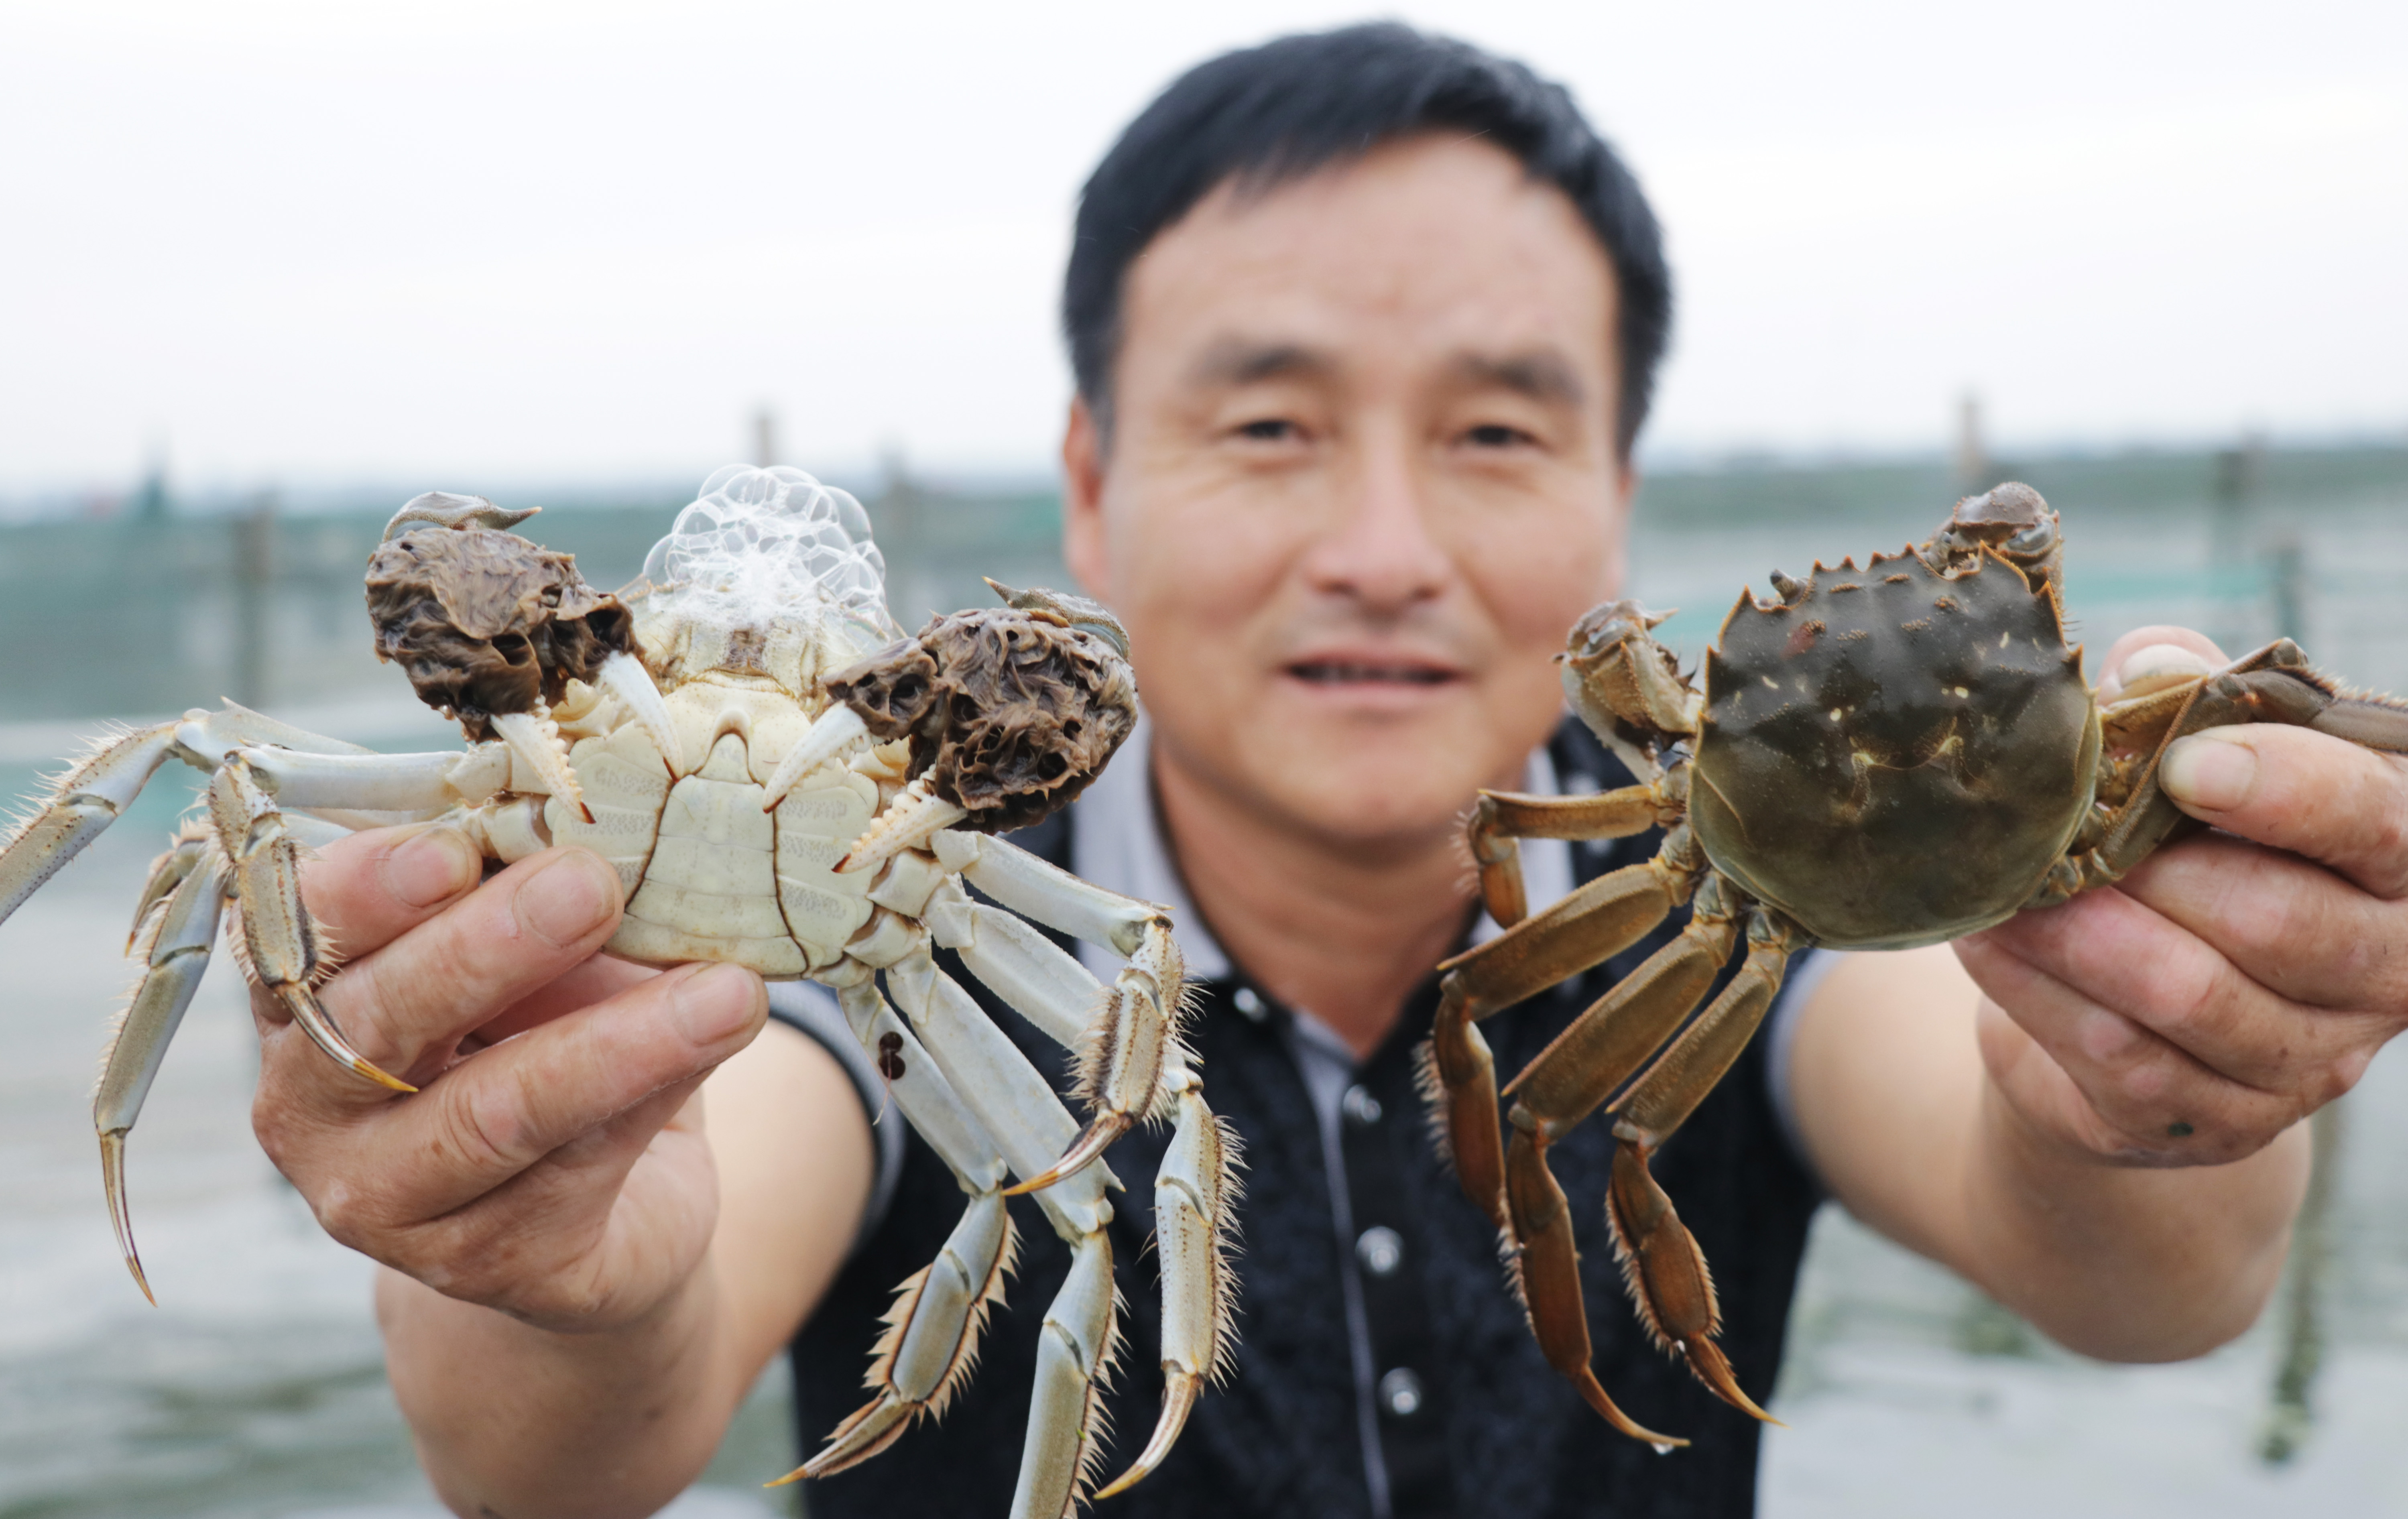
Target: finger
x,y
2118,955
407,1006
595,979
492,1117
2292,926
368,889
605,1217
2301,791
2142,1099
2146,656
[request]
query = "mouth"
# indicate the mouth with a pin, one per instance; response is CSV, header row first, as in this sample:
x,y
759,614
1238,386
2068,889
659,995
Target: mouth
x,y
1372,672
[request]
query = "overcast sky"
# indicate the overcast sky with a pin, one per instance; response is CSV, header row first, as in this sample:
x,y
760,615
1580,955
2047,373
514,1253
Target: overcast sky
x,y
471,244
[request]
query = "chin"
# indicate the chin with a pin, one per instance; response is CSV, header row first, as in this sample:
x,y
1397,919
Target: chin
x,y
1387,776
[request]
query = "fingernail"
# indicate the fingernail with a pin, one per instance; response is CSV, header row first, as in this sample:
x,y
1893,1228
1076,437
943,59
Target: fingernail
x,y
2212,769
2155,667
431,866
716,1003
568,898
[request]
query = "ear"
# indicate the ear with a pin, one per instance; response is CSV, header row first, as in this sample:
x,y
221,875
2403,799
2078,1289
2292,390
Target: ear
x,y
1082,502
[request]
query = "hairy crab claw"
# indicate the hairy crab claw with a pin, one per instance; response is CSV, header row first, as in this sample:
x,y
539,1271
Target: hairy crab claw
x,y
1010,713
491,628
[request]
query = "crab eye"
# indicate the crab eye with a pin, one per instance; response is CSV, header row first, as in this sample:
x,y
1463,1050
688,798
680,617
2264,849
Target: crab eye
x,y
2038,538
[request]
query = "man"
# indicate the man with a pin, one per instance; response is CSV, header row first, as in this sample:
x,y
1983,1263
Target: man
x,y
1364,326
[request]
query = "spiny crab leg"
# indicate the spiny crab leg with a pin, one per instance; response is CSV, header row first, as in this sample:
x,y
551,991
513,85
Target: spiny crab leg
x,y
831,734
1007,1096
1116,1033
1662,1267
931,1341
80,807
1077,1350
182,934
1125,1036
279,935
1195,1200
1503,818
1126,1054
1600,919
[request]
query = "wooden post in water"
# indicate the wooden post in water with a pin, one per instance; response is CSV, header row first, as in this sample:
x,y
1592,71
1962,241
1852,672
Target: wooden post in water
x,y
252,584
2292,1407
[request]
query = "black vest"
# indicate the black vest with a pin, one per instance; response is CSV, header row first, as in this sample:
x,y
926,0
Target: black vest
x,y
1496,1432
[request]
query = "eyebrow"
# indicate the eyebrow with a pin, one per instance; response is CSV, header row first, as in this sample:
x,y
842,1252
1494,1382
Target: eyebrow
x,y
1540,374
1236,361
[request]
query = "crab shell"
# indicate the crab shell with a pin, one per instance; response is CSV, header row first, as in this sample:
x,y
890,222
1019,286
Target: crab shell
x,y
1894,756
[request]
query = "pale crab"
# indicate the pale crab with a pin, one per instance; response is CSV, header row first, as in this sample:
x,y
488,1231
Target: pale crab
x,y
1878,758
784,780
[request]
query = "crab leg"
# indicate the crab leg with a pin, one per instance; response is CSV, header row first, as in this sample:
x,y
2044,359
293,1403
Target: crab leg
x,y
278,936
182,935
1569,1081
2273,684
1047,892
1195,1193
1547,1271
1600,919
1005,1095
930,1346
1503,818
410,784
1662,1267
1132,1064
1126,1037
998,1086
1075,1352
80,807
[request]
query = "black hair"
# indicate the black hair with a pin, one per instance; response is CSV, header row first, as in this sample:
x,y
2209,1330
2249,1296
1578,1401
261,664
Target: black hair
x,y
1283,110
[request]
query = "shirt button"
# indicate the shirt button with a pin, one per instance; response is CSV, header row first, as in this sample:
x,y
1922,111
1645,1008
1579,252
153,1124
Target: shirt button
x,y
1400,1392
1247,1003
1381,1249
1362,1107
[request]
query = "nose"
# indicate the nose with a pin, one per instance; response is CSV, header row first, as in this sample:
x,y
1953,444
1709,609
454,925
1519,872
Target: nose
x,y
1377,551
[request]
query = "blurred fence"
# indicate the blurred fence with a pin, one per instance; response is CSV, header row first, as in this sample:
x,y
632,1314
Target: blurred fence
x,y
153,614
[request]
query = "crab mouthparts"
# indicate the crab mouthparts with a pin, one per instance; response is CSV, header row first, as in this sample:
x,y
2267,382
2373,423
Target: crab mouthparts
x,y
1347,672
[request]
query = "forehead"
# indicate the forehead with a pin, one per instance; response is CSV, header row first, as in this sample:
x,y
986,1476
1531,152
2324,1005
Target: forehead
x,y
1424,249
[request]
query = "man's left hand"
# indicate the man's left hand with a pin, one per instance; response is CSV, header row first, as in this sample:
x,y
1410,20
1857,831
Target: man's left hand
x,y
2235,982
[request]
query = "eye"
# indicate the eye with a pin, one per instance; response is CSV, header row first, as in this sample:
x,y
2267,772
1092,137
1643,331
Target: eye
x,y
1497,435
1268,430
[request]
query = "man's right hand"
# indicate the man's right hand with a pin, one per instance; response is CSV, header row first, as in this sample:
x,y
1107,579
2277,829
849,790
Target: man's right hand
x,y
549,1165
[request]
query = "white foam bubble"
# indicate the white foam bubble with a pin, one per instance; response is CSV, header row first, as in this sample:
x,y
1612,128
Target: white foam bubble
x,y
773,546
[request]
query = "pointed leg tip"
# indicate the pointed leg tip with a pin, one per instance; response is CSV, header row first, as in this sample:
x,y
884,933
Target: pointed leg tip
x,y
391,1083
1121,1483
1178,1399
1595,1393
795,1476
1087,1148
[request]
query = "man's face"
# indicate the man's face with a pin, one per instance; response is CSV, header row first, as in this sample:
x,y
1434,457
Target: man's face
x,y
1360,480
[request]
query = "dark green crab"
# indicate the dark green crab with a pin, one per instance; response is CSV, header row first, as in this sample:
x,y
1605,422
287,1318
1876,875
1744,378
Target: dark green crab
x,y
1879,758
